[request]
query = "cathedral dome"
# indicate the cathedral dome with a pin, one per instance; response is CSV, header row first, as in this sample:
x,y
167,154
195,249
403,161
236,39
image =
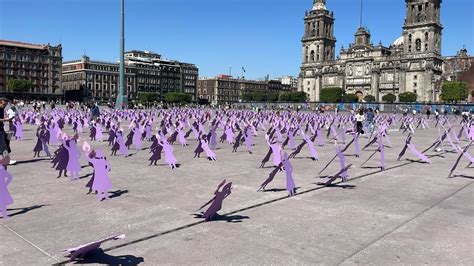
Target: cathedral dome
x,y
398,41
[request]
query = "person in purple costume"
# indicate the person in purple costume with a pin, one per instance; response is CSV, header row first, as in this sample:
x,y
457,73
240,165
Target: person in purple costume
x,y
92,134
137,142
111,136
44,137
122,146
18,130
290,183
101,182
168,149
312,150
73,165
129,141
205,146
156,150
39,144
199,149
216,201
62,158
5,197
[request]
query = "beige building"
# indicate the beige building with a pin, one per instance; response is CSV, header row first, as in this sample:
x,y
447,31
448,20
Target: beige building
x,y
225,89
146,72
40,64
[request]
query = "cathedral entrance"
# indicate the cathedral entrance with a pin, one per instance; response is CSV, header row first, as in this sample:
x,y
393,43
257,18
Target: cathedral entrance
x,y
359,95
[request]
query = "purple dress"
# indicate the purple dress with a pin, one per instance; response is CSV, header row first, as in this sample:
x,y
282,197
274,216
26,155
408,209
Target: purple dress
x,y
5,179
73,164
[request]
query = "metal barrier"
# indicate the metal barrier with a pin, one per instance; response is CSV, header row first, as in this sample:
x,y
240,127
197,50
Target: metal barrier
x,y
382,107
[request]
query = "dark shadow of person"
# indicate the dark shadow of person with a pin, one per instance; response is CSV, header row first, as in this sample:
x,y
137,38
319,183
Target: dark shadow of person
x,y
226,218
117,193
336,185
24,210
100,257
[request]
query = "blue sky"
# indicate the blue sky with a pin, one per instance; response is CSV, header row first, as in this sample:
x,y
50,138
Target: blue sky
x,y
261,35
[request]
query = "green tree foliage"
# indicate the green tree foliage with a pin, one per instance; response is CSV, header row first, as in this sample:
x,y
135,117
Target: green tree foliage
x,y
369,98
19,85
331,95
176,97
454,91
350,98
407,97
389,98
145,97
295,97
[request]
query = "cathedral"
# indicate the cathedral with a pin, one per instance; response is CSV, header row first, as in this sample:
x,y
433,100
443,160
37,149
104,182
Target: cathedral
x,y
412,63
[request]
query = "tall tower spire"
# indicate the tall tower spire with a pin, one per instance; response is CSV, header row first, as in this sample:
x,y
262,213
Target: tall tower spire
x,y
319,5
318,40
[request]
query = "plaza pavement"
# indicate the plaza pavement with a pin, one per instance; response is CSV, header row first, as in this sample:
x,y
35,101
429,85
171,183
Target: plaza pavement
x,y
410,214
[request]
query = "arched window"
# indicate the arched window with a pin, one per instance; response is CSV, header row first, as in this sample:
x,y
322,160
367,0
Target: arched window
x,y
409,38
312,56
426,36
418,45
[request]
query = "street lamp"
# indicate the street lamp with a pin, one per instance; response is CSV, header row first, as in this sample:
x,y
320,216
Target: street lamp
x,y
122,97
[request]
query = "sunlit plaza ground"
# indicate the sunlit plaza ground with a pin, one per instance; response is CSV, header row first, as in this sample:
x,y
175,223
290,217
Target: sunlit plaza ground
x,y
409,214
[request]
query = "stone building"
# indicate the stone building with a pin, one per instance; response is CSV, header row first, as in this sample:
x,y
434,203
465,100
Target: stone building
x,y
40,64
95,80
413,63
225,89
146,72
460,68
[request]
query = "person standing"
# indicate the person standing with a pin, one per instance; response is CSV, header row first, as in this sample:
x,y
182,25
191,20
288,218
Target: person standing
x,y
370,120
4,140
360,118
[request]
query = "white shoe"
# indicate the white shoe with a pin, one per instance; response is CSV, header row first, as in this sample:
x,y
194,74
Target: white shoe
x,y
12,162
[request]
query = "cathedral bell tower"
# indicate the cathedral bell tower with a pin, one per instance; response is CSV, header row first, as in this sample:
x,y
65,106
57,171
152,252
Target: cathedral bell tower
x,y
422,28
318,45
318,40
422,59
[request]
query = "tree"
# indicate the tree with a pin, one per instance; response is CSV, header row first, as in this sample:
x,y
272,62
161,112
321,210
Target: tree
x,y
19,85
350,98
273,97
298,97
454,91
285,97
389,98
407,97
331,95
176,97
369,98
145,97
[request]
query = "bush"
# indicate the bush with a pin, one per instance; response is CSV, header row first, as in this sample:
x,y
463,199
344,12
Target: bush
x,y
389,98
454,91
176,97
407,97
331,95
369,98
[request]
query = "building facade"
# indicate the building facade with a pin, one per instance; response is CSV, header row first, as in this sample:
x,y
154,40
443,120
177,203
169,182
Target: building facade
x,y
146,72
413,63
225,89
40,64
95,80
460,68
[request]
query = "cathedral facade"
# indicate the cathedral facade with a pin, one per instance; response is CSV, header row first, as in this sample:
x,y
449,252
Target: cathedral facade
x,y
412,63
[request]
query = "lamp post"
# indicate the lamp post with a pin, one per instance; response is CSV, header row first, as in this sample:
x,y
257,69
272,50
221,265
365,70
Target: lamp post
x,y
121,96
